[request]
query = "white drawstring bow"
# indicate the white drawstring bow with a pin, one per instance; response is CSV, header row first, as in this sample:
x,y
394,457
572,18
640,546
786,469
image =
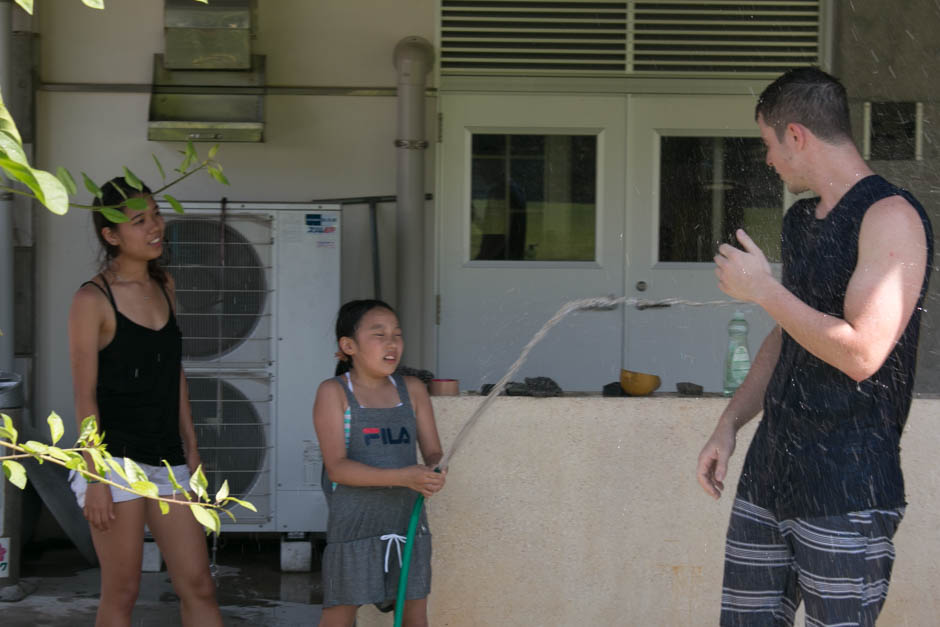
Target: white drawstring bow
x,y
397,539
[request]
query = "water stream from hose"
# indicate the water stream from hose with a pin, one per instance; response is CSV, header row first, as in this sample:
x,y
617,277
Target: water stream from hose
x,y
596,303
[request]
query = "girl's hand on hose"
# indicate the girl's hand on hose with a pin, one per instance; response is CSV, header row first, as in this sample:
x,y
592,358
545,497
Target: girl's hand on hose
x,y
422,479
443,476
99,508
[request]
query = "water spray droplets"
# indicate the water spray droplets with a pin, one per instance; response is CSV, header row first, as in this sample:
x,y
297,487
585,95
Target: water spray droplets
x,y
600,303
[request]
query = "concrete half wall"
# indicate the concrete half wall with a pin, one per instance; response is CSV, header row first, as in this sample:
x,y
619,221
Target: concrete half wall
x,y
586,511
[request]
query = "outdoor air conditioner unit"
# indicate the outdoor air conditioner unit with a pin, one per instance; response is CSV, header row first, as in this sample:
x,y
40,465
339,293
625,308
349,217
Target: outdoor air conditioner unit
x,y
257,290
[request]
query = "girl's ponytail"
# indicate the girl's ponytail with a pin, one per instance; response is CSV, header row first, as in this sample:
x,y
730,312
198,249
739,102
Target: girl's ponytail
x,y
343,363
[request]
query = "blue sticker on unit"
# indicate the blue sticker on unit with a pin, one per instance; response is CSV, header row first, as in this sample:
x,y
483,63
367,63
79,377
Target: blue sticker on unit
x,y
320,223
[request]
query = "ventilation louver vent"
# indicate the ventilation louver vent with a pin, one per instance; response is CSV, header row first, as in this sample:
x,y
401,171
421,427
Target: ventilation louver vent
x,y
232,432
221,287
582,38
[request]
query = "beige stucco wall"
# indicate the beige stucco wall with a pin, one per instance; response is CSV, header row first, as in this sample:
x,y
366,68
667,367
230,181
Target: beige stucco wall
x,y
586,511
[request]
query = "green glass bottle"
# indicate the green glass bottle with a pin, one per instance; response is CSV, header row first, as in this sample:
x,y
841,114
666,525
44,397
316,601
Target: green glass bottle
x,y
738,360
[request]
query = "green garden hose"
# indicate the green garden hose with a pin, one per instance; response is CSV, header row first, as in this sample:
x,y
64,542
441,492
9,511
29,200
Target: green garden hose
x,y
406,560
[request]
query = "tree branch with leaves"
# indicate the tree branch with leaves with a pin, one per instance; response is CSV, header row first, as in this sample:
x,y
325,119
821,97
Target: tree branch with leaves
x,y
204,507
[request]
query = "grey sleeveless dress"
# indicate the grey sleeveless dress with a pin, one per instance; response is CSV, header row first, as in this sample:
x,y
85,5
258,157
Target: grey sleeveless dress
x,y
359,565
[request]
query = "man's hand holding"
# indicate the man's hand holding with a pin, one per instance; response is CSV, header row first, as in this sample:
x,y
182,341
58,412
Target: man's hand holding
x,y
742,274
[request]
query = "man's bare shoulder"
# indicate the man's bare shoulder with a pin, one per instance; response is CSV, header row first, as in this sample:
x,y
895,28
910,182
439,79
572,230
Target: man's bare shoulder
x,y
894,219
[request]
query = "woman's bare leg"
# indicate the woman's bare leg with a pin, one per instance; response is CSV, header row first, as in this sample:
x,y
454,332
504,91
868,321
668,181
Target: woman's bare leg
x,y
182,542
120,551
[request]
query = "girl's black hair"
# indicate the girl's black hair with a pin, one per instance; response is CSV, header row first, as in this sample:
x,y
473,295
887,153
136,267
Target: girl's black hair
x,y
114,193
347,321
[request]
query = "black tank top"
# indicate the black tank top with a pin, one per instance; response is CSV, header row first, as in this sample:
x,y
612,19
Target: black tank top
x,y
138,389
828,445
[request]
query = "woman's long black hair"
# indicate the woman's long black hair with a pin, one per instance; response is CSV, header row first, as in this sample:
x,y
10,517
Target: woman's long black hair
x,y
347,321
114,193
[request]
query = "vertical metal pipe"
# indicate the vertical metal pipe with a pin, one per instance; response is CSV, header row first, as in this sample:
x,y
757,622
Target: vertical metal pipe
x,y
376,262
6,201
413,57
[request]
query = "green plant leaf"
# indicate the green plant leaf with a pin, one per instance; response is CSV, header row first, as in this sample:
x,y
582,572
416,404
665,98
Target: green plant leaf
x,y
137,203
94,4
177,207
134,472
118,189
55,427
164,507
12,148
58,454
132,180
76,461
213,152
172,477
9,431
35,448
100,461
54,195
206,517
198,483
66,177
147,488
22,173
244,504
88,429
7,124
159,167
91,187
117,468
15,472
189,157
222,494
229,514
4,434
216,173
26,5
114,215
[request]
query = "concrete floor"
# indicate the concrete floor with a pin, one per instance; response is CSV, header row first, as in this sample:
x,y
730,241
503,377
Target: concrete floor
x,y
251,588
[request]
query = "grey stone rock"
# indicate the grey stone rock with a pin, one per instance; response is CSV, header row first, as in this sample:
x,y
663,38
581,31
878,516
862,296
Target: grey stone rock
x,y
689,389
613,389
542,387
424,375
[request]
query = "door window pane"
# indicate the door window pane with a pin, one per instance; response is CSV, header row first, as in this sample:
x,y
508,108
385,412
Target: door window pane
x,y
711,186
533,197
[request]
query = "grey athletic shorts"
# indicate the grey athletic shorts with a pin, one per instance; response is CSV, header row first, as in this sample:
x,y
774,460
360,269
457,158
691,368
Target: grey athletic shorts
x,y
840,566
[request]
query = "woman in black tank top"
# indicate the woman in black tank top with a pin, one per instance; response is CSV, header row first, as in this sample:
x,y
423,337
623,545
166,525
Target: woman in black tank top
x,y
126,368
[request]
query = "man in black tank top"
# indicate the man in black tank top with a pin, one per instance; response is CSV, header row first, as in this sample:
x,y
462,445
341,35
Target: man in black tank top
x,y
821,492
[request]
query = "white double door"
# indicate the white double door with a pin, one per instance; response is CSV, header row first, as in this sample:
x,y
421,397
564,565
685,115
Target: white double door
x,y
490,309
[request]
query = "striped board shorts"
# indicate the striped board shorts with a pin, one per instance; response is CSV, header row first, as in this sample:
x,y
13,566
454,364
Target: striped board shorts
x,y
839,566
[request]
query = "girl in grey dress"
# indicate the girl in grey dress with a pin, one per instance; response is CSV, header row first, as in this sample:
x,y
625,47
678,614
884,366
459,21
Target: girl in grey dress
x,y
368,422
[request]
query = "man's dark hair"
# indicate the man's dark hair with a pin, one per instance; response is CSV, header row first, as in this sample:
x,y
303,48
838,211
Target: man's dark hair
x,y
810,97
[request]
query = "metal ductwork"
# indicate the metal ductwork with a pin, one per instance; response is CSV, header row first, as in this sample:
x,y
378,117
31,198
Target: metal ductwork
x,y
207,86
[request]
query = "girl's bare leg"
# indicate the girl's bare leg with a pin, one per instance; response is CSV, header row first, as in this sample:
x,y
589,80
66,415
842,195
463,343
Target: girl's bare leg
x,y
416,613
338,616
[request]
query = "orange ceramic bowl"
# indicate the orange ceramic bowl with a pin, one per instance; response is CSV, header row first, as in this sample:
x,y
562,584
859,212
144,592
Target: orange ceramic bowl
x,y
638,383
